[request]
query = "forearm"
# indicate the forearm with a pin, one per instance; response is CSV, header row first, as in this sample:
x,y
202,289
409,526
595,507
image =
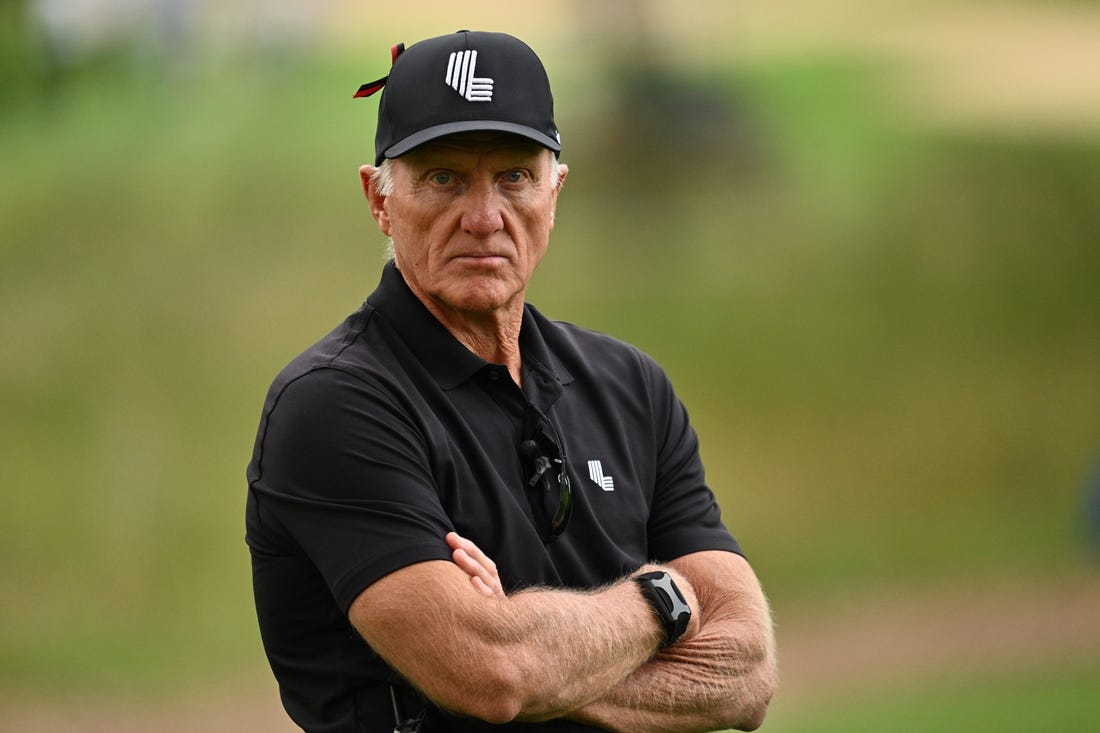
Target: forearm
x,y
573,648
534,655
703,684
722,677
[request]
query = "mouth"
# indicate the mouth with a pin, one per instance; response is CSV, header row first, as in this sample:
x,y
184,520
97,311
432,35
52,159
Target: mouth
x,y
485,259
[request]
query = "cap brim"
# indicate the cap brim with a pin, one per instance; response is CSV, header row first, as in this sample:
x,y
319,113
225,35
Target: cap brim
x,y
433,133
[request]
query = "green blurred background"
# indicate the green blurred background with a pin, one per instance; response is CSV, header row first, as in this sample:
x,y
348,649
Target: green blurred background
x,y
862,239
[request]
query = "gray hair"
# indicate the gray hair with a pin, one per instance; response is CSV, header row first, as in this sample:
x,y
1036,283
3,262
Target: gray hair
x,y
382,182
382,179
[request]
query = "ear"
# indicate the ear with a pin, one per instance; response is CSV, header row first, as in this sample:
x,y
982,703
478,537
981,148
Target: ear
x,y
563,171
377,200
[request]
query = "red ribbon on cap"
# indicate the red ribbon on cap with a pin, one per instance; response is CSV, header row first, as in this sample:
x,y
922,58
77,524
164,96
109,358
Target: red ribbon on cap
x,y
372,87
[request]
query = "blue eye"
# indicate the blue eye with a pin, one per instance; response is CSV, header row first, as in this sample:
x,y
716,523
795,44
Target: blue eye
x,y
514,176
441,178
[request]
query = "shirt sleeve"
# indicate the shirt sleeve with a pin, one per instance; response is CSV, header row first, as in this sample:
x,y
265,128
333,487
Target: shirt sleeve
x,y
341,477
684,516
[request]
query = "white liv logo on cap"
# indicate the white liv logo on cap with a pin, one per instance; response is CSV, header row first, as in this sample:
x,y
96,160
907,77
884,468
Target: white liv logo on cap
x,y
460,77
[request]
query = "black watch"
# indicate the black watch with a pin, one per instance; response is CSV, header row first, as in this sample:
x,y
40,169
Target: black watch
x,y
668,603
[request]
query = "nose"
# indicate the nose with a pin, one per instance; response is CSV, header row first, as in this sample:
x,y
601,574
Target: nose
x,y
481,214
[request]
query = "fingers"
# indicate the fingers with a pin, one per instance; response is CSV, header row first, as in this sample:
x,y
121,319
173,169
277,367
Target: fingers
x,y
482,587
458,542
481,578
475,563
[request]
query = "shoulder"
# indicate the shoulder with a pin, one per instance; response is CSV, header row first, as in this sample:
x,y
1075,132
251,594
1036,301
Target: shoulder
x,y
339,388
363,358
568,341
589,354
330,350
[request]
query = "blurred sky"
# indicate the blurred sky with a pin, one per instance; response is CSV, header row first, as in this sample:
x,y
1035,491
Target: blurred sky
x,y
1015,65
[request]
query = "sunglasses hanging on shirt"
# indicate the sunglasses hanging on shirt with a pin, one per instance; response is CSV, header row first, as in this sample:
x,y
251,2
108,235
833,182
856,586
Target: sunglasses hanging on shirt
x,y
546,477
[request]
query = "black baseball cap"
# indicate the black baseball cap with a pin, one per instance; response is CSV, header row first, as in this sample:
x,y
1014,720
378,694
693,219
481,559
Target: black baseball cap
x,y
466,81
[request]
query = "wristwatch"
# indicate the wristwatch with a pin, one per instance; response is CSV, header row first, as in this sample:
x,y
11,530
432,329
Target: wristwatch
x,y
668,603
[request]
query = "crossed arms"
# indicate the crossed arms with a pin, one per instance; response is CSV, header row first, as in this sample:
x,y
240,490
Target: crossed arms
x,y
591,656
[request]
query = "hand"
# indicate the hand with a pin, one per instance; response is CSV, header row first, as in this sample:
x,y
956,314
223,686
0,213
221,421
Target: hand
x,y
475,563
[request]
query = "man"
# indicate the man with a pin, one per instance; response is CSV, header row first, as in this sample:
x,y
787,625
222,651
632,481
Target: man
x,y
464,516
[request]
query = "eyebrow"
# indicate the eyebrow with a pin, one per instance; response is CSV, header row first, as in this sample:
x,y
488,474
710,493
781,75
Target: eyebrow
x,y
500,159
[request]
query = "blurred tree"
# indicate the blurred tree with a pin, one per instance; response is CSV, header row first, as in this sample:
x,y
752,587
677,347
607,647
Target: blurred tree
x,y
16,51
659,109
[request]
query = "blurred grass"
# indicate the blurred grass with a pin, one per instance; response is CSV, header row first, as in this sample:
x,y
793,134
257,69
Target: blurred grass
x,y
1061,697
887,338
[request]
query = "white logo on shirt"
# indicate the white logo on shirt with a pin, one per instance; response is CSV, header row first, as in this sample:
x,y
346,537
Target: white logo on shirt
x,y
595,472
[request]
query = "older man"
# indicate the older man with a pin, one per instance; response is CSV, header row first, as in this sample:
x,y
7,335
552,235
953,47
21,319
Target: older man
x,y
464,516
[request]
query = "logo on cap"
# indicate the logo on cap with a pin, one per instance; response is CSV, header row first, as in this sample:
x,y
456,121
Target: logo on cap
x,y
460,77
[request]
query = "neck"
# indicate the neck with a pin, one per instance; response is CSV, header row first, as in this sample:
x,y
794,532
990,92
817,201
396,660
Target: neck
x,y
493,336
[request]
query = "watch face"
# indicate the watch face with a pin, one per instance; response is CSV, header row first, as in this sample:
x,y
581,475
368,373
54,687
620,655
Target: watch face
x,y
671,596
668,602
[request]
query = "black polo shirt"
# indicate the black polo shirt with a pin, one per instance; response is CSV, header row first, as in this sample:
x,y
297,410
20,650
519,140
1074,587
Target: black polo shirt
x,y
389,433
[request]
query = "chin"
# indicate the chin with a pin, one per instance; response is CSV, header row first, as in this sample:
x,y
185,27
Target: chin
x,y
485,297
